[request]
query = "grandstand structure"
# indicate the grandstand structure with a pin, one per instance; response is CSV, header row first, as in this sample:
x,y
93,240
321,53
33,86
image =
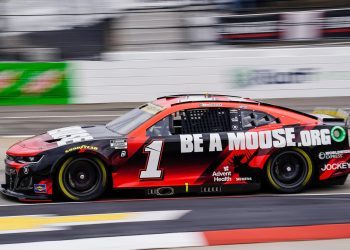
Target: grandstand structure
x,y
84,29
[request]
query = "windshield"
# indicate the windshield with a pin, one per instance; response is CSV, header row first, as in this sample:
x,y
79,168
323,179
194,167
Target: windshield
x,y
132,119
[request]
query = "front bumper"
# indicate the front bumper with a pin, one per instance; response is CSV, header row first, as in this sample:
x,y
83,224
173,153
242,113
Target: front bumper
x,y
23,182
24,197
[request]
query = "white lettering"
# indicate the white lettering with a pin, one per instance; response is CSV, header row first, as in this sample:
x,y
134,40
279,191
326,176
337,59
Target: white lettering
x,y
305,138
290,137
236,141
315,137
325,137
186,143
336,166
252,140
198,141
215,143
265,139
280,140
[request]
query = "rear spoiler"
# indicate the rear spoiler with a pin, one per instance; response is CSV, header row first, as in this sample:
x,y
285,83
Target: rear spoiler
x,y
332,115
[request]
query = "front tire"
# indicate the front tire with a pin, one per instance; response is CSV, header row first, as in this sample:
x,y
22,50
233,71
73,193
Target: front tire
x,y
82,179
289,171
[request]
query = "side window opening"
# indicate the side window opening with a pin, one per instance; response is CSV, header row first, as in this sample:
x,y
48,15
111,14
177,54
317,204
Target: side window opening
x,y
161,128
193,121
251,119
209,120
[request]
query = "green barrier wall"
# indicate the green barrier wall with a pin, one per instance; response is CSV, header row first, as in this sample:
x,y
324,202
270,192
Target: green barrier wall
x,y
34,83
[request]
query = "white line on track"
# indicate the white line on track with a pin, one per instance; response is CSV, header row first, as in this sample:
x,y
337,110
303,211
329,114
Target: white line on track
x,y
41,223
55,116
150,241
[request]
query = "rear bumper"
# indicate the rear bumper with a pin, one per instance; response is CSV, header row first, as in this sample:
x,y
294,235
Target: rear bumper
x,y
24,197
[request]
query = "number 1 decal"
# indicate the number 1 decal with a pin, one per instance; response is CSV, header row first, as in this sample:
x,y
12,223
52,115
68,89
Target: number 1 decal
x,y
154,150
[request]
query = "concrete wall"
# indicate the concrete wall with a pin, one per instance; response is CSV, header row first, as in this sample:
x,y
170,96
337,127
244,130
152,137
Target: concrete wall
x,y
255,73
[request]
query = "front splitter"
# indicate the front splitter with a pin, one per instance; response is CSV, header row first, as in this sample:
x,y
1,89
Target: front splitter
x,y
24,197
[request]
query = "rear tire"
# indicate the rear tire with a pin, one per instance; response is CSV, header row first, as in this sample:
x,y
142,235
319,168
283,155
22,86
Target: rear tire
x,y
82,179
289,171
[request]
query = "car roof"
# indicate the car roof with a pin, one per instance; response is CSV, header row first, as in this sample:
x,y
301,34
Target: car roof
x,y
171,100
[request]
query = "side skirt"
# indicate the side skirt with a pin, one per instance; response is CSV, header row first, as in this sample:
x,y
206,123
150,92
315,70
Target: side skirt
x,y
166,191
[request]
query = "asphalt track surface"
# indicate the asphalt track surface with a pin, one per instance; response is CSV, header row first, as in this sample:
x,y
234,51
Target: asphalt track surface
x,y
206,213
322,205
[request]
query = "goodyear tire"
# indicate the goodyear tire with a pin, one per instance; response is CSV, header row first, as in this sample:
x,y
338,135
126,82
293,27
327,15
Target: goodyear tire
x,y
82,179
289,171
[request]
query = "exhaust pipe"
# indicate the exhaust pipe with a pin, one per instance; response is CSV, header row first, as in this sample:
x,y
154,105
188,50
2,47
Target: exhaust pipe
x,y
165,191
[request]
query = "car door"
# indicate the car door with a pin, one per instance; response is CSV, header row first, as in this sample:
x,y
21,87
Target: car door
x,y
183,149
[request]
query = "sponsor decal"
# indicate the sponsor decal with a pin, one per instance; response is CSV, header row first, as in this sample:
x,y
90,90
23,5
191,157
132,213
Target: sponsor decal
x,y
43,82
40,188
338,134
277,138
333,154
81,149
34,83
244,179
70,135
119,144
210,105
152,108
8,77
336,166
247,77
123,154
222,176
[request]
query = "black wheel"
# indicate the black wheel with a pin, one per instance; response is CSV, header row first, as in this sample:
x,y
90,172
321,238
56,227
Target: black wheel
x,y
289,171
82,179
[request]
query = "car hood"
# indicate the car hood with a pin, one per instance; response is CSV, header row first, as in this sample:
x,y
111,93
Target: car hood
x,y
60,137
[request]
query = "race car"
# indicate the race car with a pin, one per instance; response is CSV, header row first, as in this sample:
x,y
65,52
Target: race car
x,y
178,144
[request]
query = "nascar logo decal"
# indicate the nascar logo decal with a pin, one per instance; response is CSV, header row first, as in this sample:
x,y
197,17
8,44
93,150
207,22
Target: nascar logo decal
x,y
278,138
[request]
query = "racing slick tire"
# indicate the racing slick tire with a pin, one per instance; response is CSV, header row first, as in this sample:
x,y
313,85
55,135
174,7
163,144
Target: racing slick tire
x,y
82,178
289,171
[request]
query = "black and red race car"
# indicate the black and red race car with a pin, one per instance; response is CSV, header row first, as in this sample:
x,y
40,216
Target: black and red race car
x,y
182,144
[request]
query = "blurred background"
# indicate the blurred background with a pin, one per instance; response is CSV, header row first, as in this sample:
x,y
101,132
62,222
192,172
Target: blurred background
x,y
73,62
83,51
112,55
